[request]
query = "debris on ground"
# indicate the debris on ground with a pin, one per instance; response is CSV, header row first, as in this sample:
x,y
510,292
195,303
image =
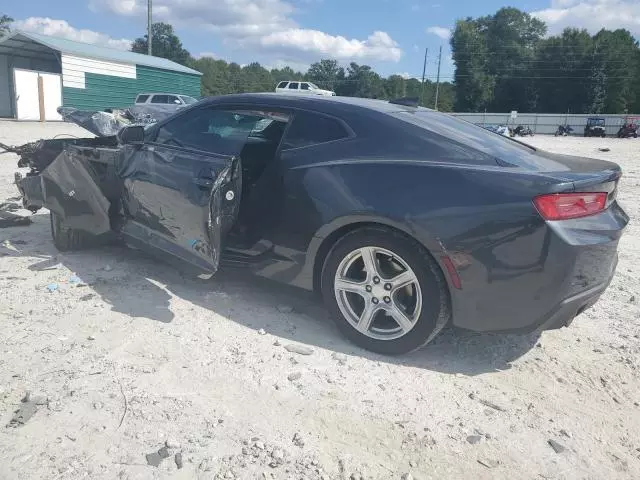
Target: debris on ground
x,y
299,349
8,219
292,377
178,460
52,287
557,447
285,308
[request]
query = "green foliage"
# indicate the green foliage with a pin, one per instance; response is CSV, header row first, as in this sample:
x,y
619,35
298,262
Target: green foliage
x,y
5,24
165,43
220,77
504,62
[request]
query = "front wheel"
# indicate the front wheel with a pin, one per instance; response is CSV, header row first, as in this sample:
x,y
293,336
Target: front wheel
x,y
67,239
384,290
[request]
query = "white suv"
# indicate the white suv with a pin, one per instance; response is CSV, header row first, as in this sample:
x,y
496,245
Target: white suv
x,y
303,87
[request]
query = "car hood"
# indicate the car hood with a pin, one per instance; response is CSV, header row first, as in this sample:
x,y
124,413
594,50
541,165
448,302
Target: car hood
x,y
105,124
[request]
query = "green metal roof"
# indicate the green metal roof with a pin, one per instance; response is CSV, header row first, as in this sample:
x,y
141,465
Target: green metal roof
x,y
102,53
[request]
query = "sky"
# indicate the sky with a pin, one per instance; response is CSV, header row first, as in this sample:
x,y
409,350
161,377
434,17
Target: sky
x,y
389,35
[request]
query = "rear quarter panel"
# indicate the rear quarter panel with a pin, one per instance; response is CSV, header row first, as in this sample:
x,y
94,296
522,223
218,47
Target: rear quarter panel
x,y
481,217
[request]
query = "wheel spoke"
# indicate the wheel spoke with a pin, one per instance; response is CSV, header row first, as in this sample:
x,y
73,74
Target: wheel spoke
x,y
346,285
370,262
400,317
366,318
402,280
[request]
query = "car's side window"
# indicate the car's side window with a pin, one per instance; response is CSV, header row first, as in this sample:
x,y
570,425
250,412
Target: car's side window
x,y
209,130
293,86
173,99
304,86
282,84
159,99
142,98
312,129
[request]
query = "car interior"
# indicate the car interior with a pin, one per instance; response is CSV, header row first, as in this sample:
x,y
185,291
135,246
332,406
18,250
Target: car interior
x,y
254,136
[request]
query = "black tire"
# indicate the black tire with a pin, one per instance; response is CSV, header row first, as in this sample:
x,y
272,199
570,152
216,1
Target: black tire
x,y
435,313
66,239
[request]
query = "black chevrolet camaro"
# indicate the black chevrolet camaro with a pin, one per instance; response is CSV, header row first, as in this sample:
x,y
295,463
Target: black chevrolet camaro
x,y
404,219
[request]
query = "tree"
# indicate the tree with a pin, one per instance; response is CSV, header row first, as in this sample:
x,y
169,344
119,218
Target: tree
x,y
165,43
5,24
470,52
325,73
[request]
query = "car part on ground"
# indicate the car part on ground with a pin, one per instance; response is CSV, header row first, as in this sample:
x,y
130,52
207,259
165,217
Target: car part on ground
x,y
486,231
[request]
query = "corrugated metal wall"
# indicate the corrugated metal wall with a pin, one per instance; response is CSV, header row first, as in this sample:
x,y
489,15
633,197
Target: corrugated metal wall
x,y
544,123
117,91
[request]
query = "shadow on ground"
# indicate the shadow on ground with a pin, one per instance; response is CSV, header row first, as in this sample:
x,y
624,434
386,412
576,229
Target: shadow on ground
x,y
139,286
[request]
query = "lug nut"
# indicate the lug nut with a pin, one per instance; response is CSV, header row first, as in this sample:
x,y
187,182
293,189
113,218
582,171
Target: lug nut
x,y
376,280
368,288
387,286
387,299
374,300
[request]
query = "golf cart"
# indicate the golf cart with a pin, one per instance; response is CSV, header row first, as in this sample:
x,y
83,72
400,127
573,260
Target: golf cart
x,y
595,127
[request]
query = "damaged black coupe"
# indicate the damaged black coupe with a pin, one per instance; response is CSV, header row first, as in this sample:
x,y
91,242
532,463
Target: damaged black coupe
x,y
404,219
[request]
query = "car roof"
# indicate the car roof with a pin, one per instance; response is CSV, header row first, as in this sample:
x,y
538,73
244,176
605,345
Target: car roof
x,y
327,104
161,93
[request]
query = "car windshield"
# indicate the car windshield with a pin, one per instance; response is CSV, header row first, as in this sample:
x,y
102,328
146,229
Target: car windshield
x,y
598,122
313,85
188,100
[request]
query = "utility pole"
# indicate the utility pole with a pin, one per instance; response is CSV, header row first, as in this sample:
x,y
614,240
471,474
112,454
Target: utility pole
x,y
149,35
435,106
424,71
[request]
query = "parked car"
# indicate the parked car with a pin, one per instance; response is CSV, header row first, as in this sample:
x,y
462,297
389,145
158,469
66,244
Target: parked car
x,y
595,127
159,105
404,219
303,87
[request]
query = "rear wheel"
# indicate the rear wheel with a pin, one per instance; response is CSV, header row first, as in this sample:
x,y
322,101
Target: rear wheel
x,y
384,291
66,239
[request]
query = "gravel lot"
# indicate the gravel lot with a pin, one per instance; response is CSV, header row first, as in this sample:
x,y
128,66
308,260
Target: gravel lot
x,y
136,357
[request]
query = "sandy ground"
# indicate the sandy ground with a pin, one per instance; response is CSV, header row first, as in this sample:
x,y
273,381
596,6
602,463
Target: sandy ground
x,y
142,357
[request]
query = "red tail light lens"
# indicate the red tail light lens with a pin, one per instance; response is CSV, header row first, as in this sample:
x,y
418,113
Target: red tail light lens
x,y
563,206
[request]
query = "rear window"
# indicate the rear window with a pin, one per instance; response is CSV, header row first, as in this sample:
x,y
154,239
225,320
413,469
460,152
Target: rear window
x,y
142,98
465,134
311,129
282,84
187,99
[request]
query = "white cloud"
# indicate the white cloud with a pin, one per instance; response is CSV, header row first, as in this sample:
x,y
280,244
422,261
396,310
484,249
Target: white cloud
x,y
378,46
591,14
442,32
61,28
206,54
258,26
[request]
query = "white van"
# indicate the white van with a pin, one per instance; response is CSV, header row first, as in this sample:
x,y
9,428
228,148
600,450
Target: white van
x,y
303,87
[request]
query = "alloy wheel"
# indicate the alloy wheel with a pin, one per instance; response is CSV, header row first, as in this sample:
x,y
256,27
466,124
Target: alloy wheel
x,y
378,293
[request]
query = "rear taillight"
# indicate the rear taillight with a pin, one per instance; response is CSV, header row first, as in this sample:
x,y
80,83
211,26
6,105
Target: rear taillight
x,y
563,206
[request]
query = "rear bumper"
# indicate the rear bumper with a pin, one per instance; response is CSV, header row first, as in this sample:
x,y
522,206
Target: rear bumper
x,y
541,280
567,310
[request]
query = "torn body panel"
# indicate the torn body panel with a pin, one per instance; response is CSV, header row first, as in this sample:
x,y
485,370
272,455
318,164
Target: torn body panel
x,y
175,201
163,199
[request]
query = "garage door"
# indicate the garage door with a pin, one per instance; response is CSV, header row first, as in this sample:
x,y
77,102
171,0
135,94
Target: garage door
x,y
27,98
38,95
